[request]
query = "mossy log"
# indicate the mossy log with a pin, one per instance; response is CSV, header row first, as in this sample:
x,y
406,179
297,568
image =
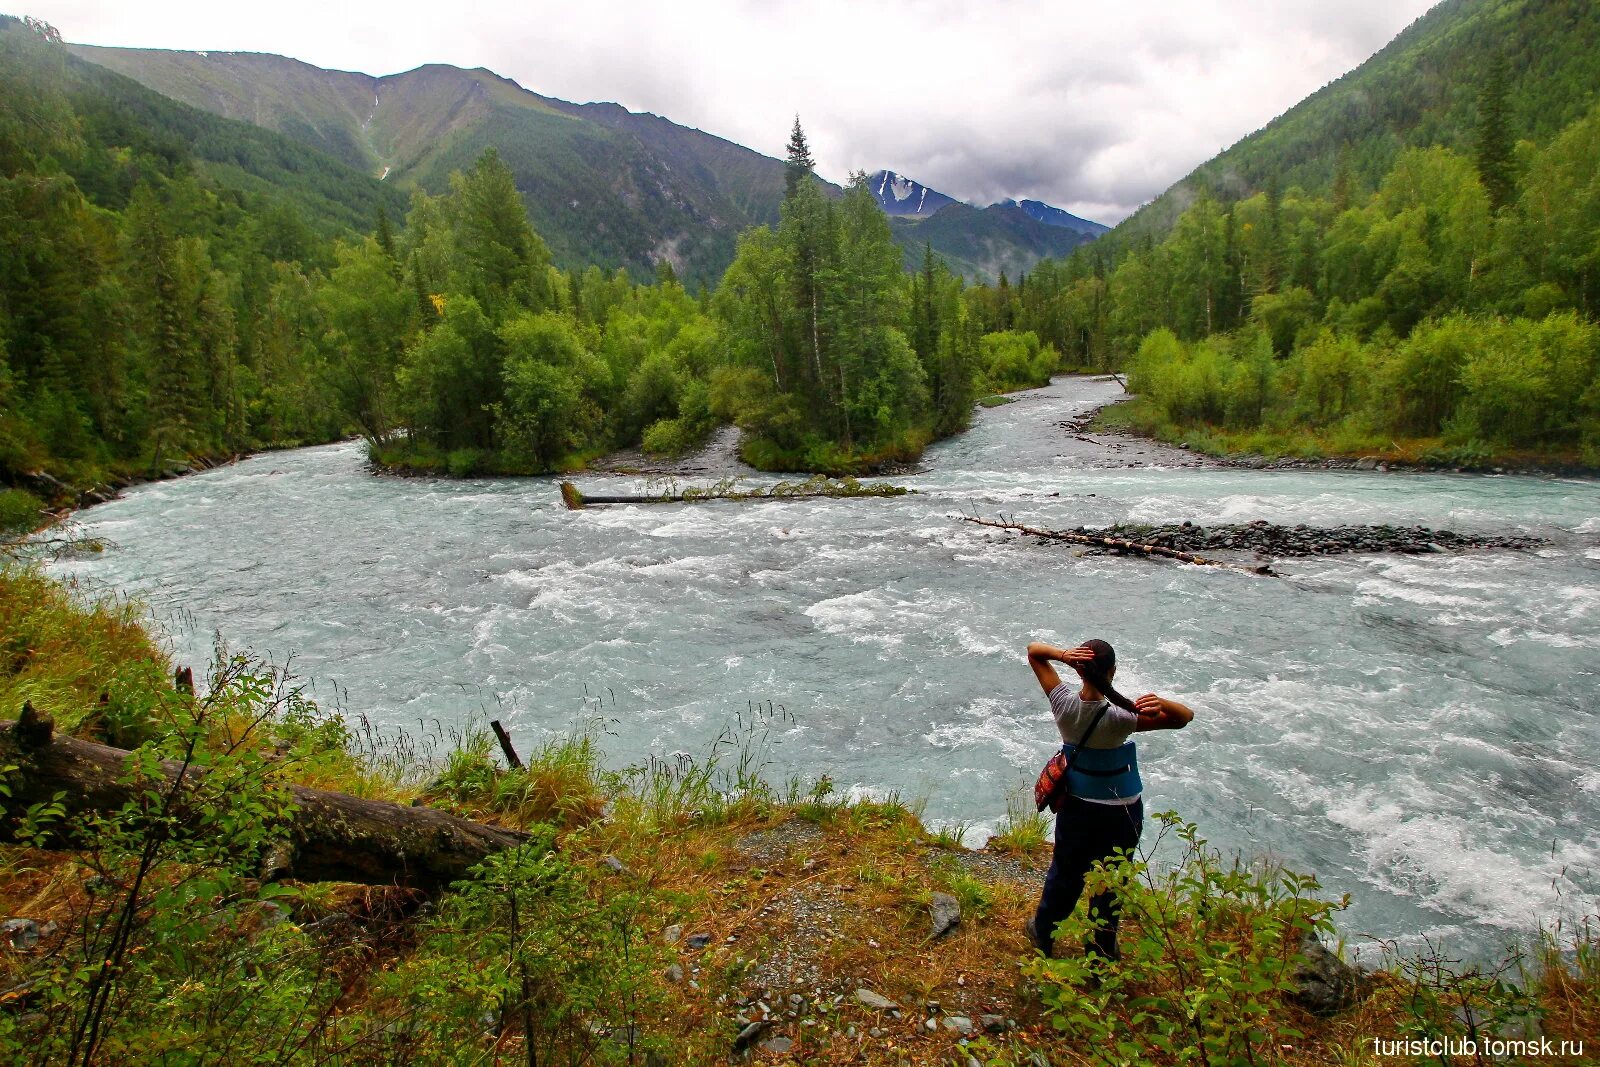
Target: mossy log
x,y
332,837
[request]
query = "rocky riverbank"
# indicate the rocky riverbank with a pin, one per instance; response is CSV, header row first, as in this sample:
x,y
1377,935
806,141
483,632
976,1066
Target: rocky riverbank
x,y
1270,539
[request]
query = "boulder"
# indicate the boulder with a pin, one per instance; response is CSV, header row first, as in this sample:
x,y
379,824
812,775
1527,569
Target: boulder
x,y
1324,984
20,934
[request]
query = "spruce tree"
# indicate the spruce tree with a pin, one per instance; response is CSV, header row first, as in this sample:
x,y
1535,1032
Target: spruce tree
x,y
1496,164
800,164
1343,183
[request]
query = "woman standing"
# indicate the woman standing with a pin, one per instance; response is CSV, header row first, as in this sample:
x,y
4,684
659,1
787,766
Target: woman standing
x,y
1105,811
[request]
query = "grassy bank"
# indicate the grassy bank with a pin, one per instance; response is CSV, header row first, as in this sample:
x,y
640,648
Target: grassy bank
x,y
1139,415
658,912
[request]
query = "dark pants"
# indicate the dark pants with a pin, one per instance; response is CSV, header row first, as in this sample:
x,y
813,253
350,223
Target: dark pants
x,y
1086,833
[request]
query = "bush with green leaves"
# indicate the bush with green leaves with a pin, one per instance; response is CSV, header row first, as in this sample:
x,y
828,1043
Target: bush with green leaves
x,y
20,512
534,949
1209,950
177,950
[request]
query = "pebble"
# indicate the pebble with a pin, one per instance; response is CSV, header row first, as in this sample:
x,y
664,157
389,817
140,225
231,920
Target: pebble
x,y
699,940
777,1046
674,974
749,1034
876,1001
959,1023
931,1024
672,934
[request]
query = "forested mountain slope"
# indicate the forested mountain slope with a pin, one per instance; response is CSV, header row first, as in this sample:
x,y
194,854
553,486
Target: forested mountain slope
x,y
115,111
1406,264
601,184
984,243
1419,90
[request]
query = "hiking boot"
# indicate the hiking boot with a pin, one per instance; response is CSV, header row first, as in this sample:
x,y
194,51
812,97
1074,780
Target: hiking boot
x,y
1032,929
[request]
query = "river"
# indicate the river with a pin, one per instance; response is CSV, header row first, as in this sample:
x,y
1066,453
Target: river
x,y
1420,732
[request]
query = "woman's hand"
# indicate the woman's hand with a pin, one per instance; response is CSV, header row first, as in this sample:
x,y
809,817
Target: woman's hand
x,y
1159,713
1076,658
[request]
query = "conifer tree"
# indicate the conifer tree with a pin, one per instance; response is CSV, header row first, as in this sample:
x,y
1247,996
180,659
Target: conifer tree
x,y
1496,164
800,164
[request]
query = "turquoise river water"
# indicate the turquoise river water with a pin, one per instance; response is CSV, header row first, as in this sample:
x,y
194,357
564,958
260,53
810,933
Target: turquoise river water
x,y
1420,732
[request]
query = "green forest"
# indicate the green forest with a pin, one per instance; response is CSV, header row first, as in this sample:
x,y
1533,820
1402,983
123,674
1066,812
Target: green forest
x,y
155,308
176,287
1448,314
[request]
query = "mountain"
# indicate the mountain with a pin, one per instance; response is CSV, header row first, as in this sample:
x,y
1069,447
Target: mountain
x,y
900,197
329,195
1039,211
982,243
979,243
602,185
1421,89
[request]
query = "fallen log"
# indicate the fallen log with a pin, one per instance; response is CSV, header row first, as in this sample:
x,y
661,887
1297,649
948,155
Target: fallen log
x,y
332,837
818,486
1118,544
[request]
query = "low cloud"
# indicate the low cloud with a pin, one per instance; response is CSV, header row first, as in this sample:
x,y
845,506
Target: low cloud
x,y
1094,109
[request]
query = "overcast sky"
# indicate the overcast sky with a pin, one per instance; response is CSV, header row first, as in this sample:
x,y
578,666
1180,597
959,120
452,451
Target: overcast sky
x,y
1095,107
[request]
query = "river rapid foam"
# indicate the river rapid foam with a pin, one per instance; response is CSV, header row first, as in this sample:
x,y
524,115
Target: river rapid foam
x,y
1421,732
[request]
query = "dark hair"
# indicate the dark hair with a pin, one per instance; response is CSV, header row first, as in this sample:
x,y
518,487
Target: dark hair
x,y
1098,673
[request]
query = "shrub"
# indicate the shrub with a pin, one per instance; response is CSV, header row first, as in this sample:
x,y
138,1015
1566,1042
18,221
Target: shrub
x,y
20,512
1209,948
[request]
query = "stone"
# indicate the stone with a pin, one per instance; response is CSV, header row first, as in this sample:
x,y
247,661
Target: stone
x,y
674,974
1324,984
699,940
672,934
994,1024
777,1046
20,934
931,1024
946,913
1367,463
875,1001
748,1035
615,865
959,1023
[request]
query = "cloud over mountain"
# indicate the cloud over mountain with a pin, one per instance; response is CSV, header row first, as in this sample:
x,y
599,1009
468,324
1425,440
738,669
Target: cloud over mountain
x,y
1095,108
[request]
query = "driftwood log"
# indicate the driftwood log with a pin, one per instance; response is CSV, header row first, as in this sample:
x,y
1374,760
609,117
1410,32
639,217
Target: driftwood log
x,y
1118,544
332,837
815,486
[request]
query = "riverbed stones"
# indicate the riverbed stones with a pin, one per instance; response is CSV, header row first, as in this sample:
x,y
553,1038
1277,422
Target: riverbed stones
x,y
945,913
1269,539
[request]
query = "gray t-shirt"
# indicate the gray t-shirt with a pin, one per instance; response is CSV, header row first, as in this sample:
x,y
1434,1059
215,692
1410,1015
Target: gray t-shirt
x,y
1073,715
